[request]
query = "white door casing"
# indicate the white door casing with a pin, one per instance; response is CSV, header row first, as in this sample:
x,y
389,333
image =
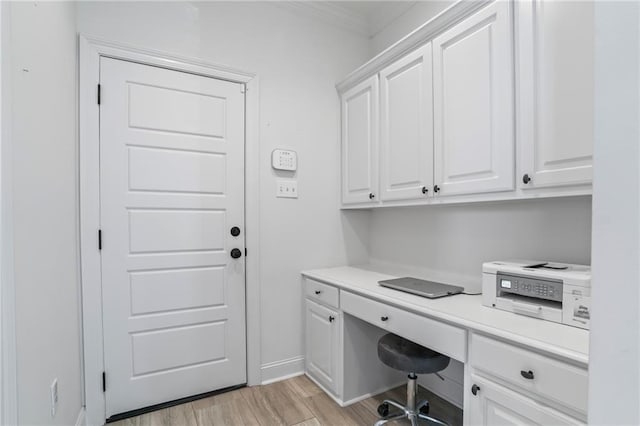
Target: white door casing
x,y
360,142
172,186
555,92
406,127
474,138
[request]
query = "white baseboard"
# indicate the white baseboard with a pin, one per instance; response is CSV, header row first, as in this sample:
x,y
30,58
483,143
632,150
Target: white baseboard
x,y
81,420
281,370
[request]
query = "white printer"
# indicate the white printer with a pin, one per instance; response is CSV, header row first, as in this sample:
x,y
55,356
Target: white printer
x,y
551,291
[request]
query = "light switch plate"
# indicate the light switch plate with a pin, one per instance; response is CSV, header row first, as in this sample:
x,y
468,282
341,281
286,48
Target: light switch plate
x,y
287,189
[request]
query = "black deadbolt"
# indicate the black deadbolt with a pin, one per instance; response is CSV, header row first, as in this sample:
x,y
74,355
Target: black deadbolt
x,y
236,253
235,231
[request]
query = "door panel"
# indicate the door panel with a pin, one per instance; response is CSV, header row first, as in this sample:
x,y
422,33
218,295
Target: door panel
x,y
406,126
359,142
322,335
172,185
555,68
473,104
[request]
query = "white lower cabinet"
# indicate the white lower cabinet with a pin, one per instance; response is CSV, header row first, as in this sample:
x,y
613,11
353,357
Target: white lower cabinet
x,y
492,404
323,345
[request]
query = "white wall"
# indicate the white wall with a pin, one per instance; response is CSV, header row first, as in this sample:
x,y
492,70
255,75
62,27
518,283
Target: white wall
x,y
412,19
451,242
43,73
614,367
298,62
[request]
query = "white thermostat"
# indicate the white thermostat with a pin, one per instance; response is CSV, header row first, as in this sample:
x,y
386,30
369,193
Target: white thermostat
x,y
282,159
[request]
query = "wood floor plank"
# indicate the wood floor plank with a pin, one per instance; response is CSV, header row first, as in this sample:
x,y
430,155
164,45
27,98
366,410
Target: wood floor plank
x,y
310,422
276,404
178,415
328,412
233,412
303,386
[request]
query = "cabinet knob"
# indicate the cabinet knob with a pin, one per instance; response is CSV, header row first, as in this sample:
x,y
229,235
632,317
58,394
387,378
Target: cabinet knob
x,y
424,190
526,178
527,374
384,318
331,318
236,253
318,291
371,195
436,188
475,389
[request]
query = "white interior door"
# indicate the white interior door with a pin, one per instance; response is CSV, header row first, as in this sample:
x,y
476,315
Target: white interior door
x,y
474,140
172,186
406,127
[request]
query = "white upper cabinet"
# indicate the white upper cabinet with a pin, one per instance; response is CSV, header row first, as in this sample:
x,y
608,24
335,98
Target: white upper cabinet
x,y
474,104
360,143
406,127
555,82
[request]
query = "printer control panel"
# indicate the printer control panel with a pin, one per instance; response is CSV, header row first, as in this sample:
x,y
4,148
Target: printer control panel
x,y
529,287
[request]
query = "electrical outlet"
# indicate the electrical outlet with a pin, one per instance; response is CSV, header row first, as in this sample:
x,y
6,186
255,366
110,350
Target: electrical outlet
x,y
54,397
287,189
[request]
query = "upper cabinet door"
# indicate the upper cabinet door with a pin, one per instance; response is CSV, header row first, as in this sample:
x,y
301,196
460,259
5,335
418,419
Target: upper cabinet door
x,y
360,143
406,127
473,104
555,81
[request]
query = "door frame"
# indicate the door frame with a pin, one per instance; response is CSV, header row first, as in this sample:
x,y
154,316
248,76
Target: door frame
x,y
90,52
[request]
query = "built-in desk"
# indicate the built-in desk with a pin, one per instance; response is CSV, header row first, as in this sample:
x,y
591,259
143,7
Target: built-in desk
x,y
346,311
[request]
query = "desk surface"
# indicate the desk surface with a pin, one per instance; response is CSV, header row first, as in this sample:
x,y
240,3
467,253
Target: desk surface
x,y
466,311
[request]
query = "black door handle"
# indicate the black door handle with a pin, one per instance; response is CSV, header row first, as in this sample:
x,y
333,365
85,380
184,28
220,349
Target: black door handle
x,y
331,318
371,195
236,253
318,291
436,188
235,231
475,389
527,374
384,318
424,190
526,178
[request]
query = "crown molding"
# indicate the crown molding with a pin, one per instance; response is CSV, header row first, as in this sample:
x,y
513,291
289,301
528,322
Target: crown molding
x,y
445,19
330,13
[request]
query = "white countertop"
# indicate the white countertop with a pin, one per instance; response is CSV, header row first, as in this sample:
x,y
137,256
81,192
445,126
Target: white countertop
x,y
467,311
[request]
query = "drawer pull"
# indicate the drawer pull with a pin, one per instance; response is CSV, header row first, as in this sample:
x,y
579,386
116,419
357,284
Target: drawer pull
x,y
527,374
475,389
384,318
318,292
331,318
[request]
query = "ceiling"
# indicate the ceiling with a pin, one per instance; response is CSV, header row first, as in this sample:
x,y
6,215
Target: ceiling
x,y
363,17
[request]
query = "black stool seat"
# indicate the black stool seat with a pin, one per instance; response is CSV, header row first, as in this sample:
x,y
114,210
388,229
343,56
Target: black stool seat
x,y
404,355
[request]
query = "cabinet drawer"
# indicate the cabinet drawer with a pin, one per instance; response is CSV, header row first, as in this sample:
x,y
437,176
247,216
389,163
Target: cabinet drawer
x,y
433,334
323,293
555,380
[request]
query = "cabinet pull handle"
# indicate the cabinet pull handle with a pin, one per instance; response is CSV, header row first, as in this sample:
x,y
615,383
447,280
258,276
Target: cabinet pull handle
x,y
384,318
331,318
436,188
526,178
475,389
371,195
318,291
424,190
527,374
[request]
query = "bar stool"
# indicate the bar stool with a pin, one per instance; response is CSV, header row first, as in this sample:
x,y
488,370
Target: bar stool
x,y
404,355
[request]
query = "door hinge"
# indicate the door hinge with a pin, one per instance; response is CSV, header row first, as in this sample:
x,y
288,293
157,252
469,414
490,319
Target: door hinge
x,y
104,381
99,93
243,88
245,252
99,239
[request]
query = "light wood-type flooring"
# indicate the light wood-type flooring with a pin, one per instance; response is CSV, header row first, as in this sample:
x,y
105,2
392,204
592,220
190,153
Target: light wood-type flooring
x,y
296,401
